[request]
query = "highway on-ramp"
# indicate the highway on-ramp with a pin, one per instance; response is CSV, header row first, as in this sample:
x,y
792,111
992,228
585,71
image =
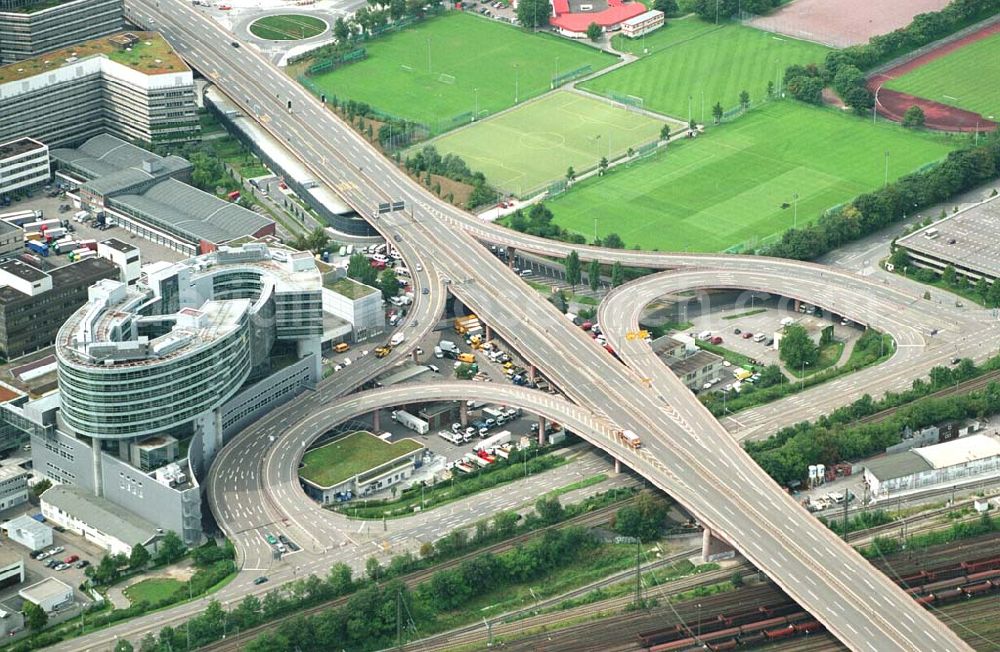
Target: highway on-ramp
x,y
686,452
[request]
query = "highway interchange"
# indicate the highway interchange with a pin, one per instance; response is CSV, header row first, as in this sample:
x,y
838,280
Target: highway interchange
x,y
253,483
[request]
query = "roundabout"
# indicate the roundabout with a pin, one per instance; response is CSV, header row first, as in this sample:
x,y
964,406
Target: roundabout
x,y
288,27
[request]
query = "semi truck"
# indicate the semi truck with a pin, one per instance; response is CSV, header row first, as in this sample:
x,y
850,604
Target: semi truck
x,y
64,245
451,437
448,347
20,218
81,254
413,423
462,324
39,248
494,441
630,439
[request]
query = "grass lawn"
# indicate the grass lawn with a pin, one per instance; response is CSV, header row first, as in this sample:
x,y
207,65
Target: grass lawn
x,y
713,65
287,27
534,144
674,32
829,355
435,70
966,78
350,455
153,590
737,182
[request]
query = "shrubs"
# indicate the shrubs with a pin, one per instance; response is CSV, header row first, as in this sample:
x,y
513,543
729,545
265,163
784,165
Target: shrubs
x,y
428,161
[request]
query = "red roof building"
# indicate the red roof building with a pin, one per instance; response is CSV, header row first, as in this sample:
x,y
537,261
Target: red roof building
x,y
575,24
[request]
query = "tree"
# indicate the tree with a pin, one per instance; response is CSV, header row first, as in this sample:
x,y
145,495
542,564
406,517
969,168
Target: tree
x,y
340,30
572,265
948,275
34,616
602,166
373,569
692,124
613,241
594,275
41,487
361,270
549,509
642,519
533,13
139,557
617,274
993,298
149,643
171,548
388,283
736,579
665,132
717,112
860,99
797,349
669,7
594,32
744,100
315,241
771,375
464,371
770,89
570,174
123,646
900,258
914,117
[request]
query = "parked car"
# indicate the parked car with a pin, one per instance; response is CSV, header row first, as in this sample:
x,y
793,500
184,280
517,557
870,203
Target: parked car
x,y
83,563
61,566
71,559
260,580
271,539
747,335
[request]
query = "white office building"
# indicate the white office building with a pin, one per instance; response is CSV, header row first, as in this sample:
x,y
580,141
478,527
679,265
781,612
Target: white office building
x,y
643,23
358,304
24,164
97,520
192,352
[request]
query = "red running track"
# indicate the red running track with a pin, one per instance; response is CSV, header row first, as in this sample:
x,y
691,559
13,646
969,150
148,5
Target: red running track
x,y
893,104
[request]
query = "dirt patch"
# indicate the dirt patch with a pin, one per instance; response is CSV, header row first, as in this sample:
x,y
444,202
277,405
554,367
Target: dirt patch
x,y
943,117
460,190
840,23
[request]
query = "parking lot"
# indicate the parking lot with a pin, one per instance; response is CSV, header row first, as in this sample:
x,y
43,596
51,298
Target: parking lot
x,y
50,206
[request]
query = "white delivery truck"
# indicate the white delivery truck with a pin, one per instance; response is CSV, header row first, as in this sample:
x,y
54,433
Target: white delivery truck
x,y
413,423
494,441
397,339
451,437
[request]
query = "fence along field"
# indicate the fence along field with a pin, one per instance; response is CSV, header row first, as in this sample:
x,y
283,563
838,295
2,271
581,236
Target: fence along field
x,y
686,77
533,145
456,65
737,183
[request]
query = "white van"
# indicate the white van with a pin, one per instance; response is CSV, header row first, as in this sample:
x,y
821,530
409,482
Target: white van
x,y
705,335
759,337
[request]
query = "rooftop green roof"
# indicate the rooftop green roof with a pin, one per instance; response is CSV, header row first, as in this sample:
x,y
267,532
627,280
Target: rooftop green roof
x,y
348,456
350,288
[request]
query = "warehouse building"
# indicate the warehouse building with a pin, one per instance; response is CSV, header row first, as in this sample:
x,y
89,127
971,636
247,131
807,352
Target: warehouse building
x,y
24,164
13,486
358,304
146,194
694,366
131,85
29,28
34,304
11,567
97,520
49,594
28,532
960,460
969,241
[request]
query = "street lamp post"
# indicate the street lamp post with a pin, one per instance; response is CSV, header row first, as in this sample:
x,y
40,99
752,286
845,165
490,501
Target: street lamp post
x,y
476,91
516,83
887,167
795,209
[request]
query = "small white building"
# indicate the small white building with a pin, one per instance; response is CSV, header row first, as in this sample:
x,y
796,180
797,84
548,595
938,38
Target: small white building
x,y
24,164
49,594
643,23
13,486
125,256
97,519
28,532
358,304
960,460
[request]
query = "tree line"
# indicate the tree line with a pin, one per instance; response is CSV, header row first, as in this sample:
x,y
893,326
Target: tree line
x,y
837,437
428,161
867,213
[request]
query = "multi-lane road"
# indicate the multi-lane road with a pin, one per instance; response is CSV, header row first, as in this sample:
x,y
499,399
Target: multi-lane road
x,y
686,452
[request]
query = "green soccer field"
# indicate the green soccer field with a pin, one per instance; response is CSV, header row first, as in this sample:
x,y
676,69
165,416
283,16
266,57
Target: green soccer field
x,y
534,144
728,186
968,78
452,65
287,27
693,68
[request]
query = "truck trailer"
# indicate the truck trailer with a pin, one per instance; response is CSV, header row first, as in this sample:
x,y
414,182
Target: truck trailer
x,y
413,423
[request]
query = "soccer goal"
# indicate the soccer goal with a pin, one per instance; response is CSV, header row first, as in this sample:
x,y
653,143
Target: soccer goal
x,y
445,78
634,101
406,68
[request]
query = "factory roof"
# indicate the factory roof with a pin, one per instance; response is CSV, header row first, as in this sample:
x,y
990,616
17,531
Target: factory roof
x,y
100,514
45,590
960,451
26,523
694,362
897,465
187,211
111,164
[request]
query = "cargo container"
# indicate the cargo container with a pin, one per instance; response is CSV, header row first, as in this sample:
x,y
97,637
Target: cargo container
x,y
49,224
65,245
234,195
20,218
494,441
32,227
37,236
89,244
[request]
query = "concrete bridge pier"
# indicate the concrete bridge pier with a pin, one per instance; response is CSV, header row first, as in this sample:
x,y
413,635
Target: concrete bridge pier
x,y
541,431
618,465
714,548
511,252
463,413
531,373
376,421
489,332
